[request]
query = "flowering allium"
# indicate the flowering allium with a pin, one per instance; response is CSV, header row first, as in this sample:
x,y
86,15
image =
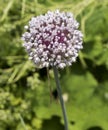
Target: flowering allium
x,y
53,39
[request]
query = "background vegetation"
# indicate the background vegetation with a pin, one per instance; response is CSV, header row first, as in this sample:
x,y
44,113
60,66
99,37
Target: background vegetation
x,y
24,91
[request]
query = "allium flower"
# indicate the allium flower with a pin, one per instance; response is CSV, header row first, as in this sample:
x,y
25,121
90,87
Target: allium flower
x,y
53,39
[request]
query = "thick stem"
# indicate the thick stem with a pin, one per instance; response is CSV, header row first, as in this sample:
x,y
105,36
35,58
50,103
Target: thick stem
x,y
60,96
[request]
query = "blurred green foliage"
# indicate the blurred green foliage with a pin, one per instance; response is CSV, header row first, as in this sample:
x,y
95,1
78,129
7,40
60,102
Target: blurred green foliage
x,y
24,91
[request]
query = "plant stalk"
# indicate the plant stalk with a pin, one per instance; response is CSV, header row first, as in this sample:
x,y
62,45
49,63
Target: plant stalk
x,y
60,97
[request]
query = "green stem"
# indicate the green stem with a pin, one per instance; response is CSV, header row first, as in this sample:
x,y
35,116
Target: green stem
x,y
22,122
60,96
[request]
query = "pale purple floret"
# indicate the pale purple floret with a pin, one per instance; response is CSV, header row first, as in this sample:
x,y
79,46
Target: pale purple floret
x,y
53,39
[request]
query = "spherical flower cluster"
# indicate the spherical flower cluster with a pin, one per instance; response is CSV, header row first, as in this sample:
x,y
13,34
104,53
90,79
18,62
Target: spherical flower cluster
x,y
53,39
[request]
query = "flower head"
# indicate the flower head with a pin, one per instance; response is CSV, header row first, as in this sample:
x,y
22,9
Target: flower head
x,y
53,39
